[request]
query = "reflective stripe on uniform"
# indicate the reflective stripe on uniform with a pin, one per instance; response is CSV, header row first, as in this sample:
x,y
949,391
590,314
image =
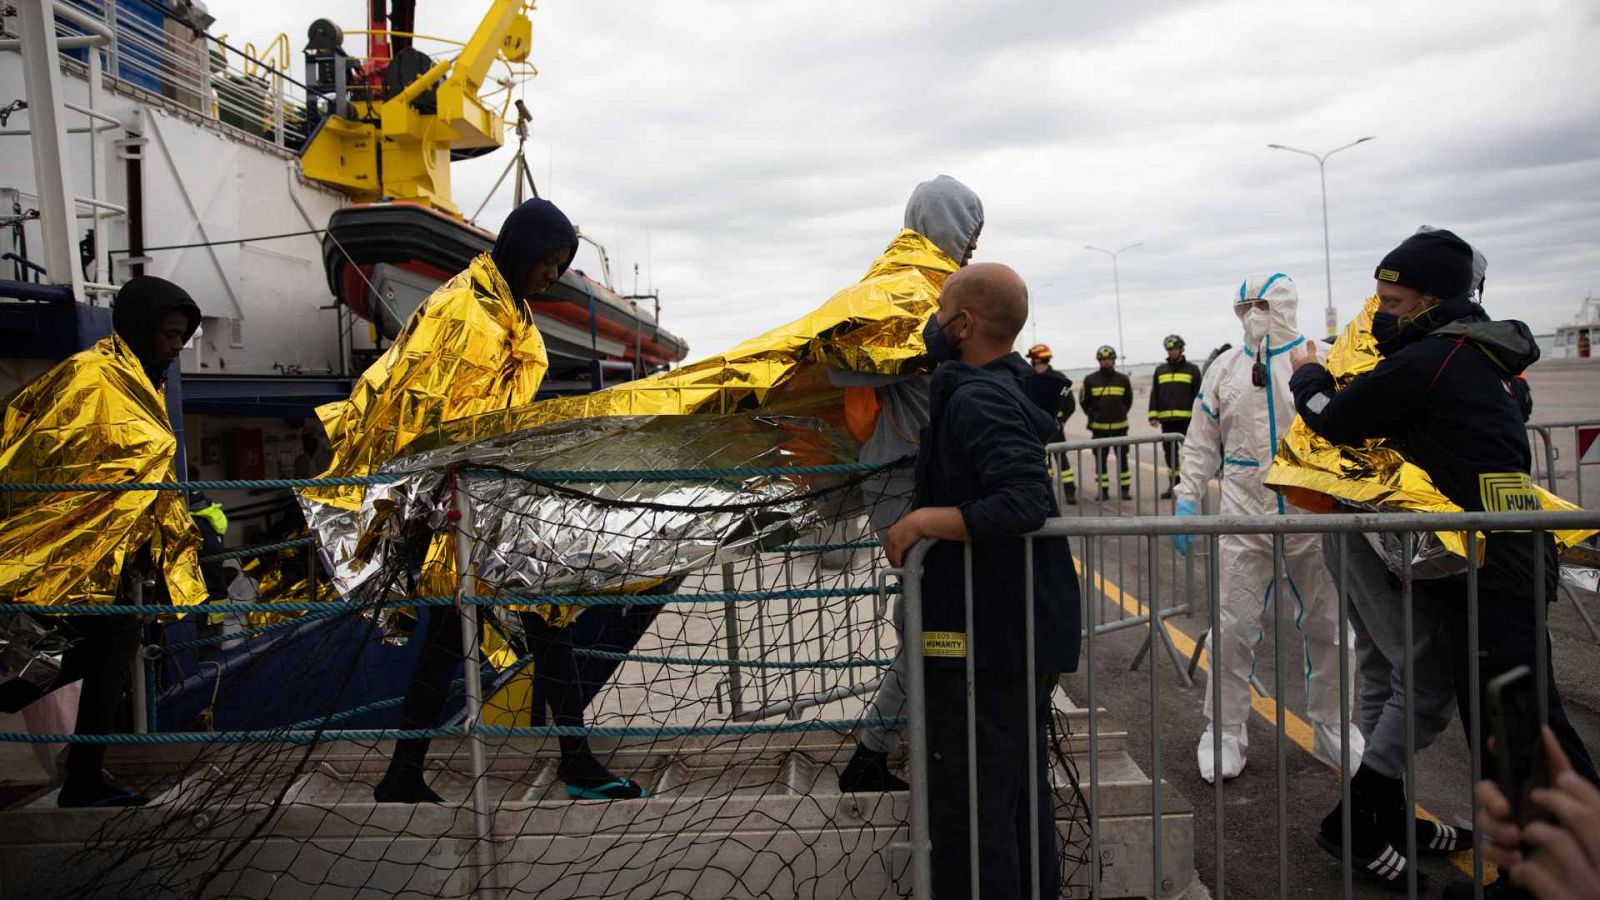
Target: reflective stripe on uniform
x,y
1175,378
1107,426
1172,414
1116,391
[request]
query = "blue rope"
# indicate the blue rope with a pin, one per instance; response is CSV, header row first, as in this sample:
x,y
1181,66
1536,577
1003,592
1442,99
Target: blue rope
x,y
742,663
554,475
821,548
372,735
509,600
262,550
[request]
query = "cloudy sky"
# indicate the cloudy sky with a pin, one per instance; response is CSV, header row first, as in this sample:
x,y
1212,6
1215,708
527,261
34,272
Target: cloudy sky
x,y
753,158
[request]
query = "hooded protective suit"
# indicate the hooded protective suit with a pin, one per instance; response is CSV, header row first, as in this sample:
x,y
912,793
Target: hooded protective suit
x,y
1236,427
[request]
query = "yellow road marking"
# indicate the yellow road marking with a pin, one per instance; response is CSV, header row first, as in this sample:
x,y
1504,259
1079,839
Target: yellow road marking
x,y
1294,727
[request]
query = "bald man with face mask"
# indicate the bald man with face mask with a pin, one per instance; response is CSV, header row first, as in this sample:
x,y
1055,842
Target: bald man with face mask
x,y
982,484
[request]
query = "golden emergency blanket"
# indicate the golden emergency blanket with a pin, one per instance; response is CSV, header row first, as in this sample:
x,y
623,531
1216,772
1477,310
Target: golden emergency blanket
x,y
873,326
93,418
1314,473
469,349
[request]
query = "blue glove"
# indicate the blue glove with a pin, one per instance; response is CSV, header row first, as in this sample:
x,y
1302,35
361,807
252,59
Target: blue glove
x,y
1181,542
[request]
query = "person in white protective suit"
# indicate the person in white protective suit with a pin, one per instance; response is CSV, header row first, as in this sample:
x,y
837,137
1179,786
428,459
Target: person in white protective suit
x,y
1243,409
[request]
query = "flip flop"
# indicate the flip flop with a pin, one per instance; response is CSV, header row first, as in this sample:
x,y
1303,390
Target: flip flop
x,y
620,789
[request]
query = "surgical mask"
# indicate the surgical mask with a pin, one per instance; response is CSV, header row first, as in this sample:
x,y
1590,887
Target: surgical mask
x,y
940,349
1256,322
1385,327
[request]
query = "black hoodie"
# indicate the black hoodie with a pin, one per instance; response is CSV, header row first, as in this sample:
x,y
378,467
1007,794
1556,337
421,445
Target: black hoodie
x,y
983,451
528,234
137,312
1447,393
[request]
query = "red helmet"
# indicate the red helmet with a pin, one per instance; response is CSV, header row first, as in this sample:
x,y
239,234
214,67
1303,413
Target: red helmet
x,y
1040,353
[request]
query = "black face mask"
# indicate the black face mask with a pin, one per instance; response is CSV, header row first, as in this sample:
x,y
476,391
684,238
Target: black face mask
x,y
940,347
1385,327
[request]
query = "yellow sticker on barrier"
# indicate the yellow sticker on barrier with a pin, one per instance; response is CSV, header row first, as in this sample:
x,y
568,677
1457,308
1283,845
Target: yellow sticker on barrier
x,y
944,644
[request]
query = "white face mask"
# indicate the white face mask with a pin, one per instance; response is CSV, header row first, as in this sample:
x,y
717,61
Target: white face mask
x,y
1256,322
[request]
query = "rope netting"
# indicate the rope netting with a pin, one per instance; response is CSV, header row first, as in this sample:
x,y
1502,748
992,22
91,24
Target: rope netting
x,y
729,693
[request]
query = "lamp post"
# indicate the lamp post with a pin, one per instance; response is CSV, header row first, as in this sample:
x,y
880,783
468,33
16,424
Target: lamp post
x,y
1327,256
1116,284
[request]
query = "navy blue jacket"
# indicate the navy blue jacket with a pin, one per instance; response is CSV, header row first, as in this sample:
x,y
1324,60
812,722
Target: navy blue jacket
x,y
983,451
1447,394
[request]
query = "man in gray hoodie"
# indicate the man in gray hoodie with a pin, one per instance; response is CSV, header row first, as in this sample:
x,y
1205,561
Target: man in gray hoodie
x,y
949,214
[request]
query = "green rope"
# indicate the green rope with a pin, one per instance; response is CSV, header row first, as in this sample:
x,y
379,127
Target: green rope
x,y
510,600
373,735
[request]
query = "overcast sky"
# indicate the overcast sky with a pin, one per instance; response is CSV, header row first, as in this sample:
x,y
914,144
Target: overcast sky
x,y
767,149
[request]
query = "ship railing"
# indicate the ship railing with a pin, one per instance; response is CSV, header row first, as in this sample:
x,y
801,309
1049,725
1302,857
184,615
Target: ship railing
x,y
930,861
155,53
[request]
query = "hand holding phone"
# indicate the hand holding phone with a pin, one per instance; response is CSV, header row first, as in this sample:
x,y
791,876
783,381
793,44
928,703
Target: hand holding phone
x,y
1520,762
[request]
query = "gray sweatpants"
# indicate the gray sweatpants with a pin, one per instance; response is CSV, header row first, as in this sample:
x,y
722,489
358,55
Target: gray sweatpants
x,y
1377,615
890,700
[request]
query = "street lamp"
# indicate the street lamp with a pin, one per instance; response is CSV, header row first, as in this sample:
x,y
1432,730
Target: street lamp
x,y
1116,283
1327,258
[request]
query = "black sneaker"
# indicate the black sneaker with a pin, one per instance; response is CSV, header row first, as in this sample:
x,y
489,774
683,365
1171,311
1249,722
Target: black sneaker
x,y
1166,494
407,787
1104,495
1439,838
868,773
1386,867
1127,494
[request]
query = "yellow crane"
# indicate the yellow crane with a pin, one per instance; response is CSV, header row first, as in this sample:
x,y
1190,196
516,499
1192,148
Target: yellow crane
x,y
390,130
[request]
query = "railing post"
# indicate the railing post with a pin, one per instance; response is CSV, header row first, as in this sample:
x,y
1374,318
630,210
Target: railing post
x,y
917,723
730,627
483,849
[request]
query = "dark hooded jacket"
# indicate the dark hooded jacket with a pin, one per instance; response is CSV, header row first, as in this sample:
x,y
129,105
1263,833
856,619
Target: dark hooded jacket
x,y
1448,393
984,453
137,312
528,234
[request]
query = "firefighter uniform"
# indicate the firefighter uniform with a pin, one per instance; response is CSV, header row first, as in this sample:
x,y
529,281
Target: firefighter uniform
x,y
1107,398
1051,391
1172,394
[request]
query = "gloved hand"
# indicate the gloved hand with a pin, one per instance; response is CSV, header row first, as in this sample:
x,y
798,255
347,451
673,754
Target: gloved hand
x,y
1154,421
1181,542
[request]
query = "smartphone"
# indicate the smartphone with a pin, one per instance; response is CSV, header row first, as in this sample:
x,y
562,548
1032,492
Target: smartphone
x,y
1519,754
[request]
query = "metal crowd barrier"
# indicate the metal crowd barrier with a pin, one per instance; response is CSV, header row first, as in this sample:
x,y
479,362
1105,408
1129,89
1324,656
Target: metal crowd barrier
x,y
1557,438
1152,529
1148,479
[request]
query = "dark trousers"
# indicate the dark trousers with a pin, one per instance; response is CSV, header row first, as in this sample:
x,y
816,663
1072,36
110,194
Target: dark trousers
x,y
1101,457
555,678
1174,452
1004,831
103,658
1506,639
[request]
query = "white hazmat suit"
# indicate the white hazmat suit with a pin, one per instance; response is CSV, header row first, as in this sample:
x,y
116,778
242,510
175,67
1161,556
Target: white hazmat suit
x,y
1235,430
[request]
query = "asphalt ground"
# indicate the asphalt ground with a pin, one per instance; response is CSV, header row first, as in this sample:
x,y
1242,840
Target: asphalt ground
x,y
1249,839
